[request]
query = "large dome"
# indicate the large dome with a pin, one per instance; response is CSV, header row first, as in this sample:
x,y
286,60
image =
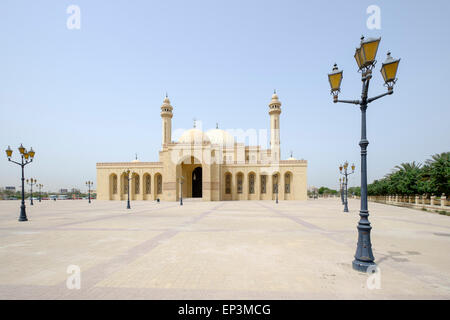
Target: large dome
x,y
220,137
193,136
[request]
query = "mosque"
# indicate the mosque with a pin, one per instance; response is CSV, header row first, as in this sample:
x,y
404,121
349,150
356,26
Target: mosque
x,y
209,165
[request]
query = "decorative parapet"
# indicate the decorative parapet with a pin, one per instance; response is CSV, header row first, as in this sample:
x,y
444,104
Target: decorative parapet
x,y
293,161
129,164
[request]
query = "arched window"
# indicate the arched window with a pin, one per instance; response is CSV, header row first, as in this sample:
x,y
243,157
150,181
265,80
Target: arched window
x,y
228,183
287,183
251,183
159,185
114,184
136,184
263,183
148,184
239,182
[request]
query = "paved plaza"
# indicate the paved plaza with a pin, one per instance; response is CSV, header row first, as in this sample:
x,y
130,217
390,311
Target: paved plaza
x,y
219,250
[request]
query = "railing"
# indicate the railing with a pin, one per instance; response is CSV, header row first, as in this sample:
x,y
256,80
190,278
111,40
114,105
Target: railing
x,y
424,201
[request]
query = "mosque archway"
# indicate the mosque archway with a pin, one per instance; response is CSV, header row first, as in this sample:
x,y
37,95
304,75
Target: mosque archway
x,y
197,182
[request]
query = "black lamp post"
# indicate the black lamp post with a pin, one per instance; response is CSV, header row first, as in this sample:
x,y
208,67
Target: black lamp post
x,y
341,190
128,188
181,190
26,158
40,186
365,58
89,184
31,183
345,173
276,188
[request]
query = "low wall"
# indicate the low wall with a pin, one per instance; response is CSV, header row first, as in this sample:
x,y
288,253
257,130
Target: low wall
x,y
432,203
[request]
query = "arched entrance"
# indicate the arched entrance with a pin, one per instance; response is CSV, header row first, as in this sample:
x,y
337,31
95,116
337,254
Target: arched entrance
x,y
197,183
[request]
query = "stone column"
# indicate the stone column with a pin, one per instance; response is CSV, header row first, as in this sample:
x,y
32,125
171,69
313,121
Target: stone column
x,y
432,200
443,200
396,198
417,199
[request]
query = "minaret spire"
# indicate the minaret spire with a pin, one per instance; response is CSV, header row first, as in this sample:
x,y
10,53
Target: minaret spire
x,y
274,112
166,115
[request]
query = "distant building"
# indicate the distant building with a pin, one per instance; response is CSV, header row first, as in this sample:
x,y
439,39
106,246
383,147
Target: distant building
x,y
63,190
10,188
74,190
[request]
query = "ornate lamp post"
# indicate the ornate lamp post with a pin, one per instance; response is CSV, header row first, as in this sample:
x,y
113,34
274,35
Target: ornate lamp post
x,y
40,186
276,188
181,190
89,184
31,183
345,182
365,58
26,158
128,188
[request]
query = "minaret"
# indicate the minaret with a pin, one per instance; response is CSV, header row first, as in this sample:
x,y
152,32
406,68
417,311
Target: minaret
x,y
274,112
166,115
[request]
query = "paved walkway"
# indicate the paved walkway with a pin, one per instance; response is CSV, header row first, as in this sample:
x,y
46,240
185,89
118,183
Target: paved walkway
x,y
219,250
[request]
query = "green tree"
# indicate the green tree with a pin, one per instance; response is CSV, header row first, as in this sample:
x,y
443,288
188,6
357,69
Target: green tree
x,y
438,171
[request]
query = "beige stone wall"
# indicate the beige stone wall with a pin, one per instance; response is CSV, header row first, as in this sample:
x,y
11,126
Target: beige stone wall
x,y
214,180
138,191
297,181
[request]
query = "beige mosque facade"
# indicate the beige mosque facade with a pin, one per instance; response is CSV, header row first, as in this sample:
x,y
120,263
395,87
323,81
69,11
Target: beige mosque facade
x,y
208,165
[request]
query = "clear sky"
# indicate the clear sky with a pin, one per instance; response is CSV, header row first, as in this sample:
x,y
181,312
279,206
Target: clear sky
x,y
92,95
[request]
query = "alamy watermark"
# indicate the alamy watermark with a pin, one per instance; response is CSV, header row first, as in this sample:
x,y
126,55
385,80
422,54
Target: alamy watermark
x,y
374,280
74,279
374,20
74,20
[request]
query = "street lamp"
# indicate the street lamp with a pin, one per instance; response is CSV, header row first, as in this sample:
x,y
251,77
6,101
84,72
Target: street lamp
x,y
31,183
341,189
26,158
345,173
365,59
127,172
89,184
276,188
181,190
40,186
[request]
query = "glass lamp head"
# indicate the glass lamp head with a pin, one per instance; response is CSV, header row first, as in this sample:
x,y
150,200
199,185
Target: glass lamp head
x,y
353,167
389,70
335,79
9,152
369,48
21,149
26,155
31,153
358,58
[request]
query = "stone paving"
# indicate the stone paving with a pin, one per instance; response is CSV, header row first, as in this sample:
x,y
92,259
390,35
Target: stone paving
x,y
219,250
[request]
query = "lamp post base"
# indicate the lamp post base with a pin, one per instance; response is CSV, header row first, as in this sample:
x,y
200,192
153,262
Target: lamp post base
x,y
362,266
23,215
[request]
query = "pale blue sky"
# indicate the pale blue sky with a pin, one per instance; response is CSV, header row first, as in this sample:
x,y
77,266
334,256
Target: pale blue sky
x,y
92,95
